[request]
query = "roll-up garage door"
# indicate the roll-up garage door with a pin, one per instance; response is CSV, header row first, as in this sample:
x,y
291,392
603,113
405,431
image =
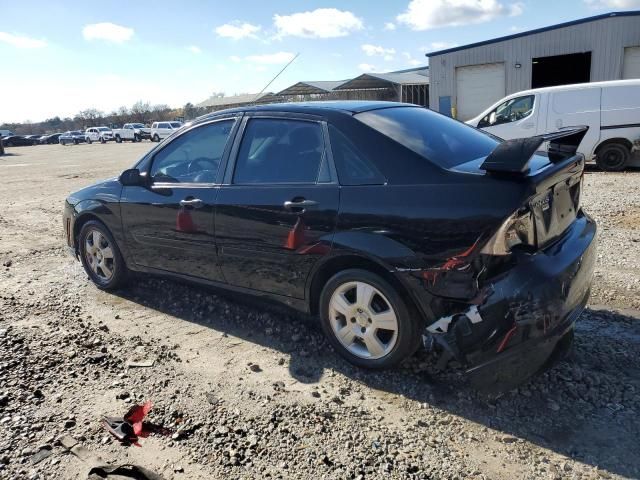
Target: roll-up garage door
x,y
631,65
478,87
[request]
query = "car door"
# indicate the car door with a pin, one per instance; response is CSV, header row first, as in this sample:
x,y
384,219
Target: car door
x,y
276,211
169,221
513,118
570,108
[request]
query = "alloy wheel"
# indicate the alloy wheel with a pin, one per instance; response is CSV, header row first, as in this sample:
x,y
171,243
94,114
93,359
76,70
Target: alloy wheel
x,y
99,255
363,320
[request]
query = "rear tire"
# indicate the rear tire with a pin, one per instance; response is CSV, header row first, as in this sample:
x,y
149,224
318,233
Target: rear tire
x,y
75,142
367,321
101,257
612,157
89,141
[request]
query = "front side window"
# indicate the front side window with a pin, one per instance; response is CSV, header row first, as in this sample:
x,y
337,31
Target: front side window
x,y
512,110
175,124
279,151
193,157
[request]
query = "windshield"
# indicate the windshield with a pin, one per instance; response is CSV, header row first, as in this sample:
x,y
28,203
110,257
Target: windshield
x,y
175,124
137,125
77,133
103,129
446,142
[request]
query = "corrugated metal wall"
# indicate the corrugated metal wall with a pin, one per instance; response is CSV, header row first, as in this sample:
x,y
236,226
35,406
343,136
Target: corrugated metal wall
x,y
605,38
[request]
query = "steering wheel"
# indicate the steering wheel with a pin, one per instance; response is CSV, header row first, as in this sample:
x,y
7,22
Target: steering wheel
x,y
200,164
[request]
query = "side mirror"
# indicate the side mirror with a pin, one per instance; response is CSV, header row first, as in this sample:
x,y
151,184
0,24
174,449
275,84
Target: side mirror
x,y
131,178
492,118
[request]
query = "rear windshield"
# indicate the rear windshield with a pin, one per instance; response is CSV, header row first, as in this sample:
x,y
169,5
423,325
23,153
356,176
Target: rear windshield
x,y
446,142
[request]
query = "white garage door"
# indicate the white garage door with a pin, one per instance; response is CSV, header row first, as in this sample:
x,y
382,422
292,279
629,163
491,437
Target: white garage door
x,y
478,87
631,68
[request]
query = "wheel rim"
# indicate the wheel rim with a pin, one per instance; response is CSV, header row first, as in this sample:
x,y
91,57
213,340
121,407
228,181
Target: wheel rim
x,y
363,320
99,255
613,158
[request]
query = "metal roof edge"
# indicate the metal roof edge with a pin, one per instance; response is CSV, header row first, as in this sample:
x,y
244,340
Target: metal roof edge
x,y
630,13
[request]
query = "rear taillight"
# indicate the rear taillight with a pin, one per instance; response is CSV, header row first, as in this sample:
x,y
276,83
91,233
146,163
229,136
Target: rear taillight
x,y
518,229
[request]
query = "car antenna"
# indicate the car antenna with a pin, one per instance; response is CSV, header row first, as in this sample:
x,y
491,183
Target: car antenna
x,y
273,79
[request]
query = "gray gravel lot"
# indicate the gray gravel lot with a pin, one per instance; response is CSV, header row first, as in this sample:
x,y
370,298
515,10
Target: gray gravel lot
x,y
246,390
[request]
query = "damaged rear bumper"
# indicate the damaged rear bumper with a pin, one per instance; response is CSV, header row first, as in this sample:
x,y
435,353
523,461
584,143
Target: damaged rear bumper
x,y
527,315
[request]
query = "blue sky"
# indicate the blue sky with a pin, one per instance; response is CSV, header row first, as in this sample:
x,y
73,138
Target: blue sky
x,y
57,58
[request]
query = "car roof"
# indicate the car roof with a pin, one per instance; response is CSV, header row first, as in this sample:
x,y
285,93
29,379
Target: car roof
x,y
314,108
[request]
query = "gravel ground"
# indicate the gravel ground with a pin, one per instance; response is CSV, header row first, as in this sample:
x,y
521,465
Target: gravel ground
x,y
246,390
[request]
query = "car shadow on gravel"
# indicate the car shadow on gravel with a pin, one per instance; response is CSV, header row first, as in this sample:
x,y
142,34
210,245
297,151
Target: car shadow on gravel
x,y
586,407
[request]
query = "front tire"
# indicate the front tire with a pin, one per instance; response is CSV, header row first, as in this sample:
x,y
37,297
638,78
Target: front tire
x,y
75,142
102,140
156,138
89,141
101,257
612,157
367,321
118,139
136,138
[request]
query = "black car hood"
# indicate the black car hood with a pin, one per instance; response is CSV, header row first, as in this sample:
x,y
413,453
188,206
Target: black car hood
x,y
108,190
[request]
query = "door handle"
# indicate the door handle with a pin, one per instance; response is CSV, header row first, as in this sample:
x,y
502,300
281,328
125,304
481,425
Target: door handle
x,y
300,205
191,202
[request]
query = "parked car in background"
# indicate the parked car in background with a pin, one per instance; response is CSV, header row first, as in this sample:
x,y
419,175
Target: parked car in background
x,y
610,109
33,138
134,132
73,136
98,134
396,225
49,138
6,133
17,141
160,130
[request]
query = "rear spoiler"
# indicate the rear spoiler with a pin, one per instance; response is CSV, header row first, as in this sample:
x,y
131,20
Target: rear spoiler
x,y
513,156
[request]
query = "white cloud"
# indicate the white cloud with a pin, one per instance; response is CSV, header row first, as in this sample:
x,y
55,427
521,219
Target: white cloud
x,y
194,49
389,26
414,62
366,67
20,41
278,58
109,32
235,58
442,45
427,14
237,30
621,4
320,23
377,50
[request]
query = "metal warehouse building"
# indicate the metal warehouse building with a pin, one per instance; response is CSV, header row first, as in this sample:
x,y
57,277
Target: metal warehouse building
x,y
466,80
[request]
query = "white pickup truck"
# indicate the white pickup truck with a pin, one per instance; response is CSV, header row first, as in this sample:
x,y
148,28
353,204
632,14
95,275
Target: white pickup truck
x,y
135,132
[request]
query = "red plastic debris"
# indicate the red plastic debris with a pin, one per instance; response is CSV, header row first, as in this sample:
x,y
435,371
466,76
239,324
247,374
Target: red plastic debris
x,y
136,415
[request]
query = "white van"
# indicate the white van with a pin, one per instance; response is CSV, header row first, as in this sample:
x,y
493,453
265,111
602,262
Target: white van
x,y
160,130
611,110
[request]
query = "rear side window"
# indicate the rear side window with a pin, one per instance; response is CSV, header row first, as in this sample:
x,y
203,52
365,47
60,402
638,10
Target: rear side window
x,y
353,166
442,140
279,151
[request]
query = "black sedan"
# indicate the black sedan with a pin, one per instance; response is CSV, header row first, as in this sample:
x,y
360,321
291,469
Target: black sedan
x,y
49,139
17,141
75,137
395,225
